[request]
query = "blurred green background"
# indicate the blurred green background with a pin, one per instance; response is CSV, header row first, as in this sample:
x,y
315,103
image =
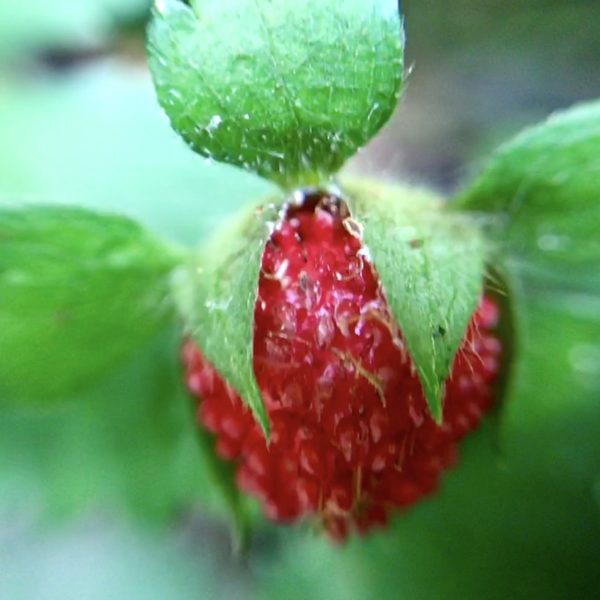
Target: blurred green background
x,y
107,495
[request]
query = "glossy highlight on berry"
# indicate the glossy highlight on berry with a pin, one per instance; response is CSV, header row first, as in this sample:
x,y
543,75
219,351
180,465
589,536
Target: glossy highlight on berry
x,y
352,438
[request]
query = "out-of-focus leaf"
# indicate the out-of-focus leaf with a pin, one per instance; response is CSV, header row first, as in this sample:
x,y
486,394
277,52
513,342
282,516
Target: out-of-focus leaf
x,y
98,139
431,264
542,194
79,293
288,89
128,446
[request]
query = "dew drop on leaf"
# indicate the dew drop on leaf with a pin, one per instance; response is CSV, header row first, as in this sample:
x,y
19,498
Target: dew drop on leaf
x,y
214,123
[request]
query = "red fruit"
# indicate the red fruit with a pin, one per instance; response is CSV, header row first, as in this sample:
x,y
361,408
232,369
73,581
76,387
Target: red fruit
x,y
352,437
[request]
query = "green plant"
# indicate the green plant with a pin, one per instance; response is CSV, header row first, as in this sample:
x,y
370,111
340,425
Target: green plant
x,y
81,291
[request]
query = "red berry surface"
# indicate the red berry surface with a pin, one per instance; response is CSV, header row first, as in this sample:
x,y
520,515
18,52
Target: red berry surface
x,y
352,438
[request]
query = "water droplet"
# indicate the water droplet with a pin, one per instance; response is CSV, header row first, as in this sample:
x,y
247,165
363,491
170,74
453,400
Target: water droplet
x,y
364,253
214,123
282,269
325,330
220,304
298,197
344,315
287,318
175,93
374,108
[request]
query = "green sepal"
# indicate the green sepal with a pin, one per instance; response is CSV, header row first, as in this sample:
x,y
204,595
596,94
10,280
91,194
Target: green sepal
x,y
288,89
79,293
216,293
431,263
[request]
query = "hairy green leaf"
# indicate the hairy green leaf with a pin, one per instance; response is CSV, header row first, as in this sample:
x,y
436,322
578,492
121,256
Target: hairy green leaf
x,y
79,292
217,293
540,195
288,89
431,264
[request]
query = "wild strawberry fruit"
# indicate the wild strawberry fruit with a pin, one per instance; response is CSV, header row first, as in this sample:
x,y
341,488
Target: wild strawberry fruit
x,y
352,437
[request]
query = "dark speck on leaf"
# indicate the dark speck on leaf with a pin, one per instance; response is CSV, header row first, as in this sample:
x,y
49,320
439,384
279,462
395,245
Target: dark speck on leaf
x,y
439,332
415,244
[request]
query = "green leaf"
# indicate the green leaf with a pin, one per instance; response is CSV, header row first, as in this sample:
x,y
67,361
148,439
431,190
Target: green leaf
x,y
79,292
288,89
431,264
540,194
217,293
